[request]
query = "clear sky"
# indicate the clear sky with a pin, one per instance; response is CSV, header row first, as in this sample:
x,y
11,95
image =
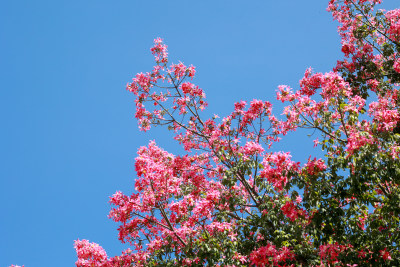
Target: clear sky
x,y
68,136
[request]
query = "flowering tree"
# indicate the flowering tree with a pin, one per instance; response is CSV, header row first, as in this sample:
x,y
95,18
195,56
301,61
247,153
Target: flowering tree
x,y
231,201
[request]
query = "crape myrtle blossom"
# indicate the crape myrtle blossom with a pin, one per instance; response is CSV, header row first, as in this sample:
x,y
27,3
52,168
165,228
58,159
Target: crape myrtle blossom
x,y
231,200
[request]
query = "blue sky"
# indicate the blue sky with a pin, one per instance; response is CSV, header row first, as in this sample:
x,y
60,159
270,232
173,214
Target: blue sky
x,y
69,137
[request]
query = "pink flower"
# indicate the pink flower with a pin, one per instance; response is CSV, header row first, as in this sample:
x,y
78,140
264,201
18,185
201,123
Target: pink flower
x,y
178,70
331,252
191,71
252,148
89,254
347,49
316,142
240,257
385,254
159,50
269,256
393,16
315,166
290,211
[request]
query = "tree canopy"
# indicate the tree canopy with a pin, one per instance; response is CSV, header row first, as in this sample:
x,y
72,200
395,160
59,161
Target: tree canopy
x,y
233,201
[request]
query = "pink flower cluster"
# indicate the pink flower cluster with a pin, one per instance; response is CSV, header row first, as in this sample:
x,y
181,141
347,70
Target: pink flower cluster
x,y
396,65
277,169
313,167
159,50
329,253
89,254
291,211
143,83
269,255
393,18
385,112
